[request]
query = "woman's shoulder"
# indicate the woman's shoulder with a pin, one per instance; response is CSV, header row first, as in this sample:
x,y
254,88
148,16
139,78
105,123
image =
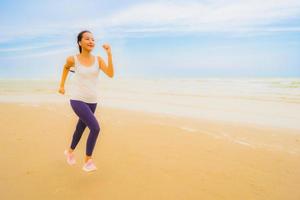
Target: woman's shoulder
x,y
70,60
99,59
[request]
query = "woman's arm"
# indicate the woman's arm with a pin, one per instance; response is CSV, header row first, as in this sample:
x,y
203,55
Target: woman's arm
x,y
69,63
108,70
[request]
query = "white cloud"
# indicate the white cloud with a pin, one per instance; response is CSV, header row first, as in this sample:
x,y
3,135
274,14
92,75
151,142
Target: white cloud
x,y
41,45
65,51
214,16
176,17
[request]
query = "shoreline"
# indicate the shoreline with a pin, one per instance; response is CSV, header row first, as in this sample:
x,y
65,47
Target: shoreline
x,y
218,129
181,112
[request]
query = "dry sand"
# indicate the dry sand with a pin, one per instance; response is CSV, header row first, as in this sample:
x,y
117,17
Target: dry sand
x,y
144,156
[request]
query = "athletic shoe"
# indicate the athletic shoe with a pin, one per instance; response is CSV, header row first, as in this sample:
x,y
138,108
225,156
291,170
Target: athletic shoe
x,y
70,157
89,166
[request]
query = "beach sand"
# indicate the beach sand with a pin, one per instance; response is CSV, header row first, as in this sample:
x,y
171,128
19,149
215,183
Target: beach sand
x,y
141,156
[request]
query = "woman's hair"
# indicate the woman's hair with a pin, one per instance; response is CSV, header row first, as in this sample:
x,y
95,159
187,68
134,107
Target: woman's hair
x,y
79,37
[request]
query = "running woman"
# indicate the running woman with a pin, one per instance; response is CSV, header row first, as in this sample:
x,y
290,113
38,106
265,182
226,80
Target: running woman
x,y
84,93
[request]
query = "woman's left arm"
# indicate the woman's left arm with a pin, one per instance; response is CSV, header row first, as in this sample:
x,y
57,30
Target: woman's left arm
x,y
108,70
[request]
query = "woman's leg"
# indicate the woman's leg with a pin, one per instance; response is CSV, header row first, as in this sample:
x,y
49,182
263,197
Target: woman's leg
x,y
84,112
80,127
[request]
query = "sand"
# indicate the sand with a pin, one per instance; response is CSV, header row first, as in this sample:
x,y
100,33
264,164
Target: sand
x,y
141,156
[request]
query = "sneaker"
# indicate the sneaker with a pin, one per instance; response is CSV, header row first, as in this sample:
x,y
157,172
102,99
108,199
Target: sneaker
x,y
89,166
70,157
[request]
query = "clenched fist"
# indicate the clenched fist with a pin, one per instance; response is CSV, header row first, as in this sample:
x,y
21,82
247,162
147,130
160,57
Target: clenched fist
x,y
107,48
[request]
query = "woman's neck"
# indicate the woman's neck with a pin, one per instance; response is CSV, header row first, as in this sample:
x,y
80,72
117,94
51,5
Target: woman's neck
x,y
85,53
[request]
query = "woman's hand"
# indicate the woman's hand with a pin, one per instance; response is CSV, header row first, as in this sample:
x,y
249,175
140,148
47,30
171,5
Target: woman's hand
x,y
61,90
107,48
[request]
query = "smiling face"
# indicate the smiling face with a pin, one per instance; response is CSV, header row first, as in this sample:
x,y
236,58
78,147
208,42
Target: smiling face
x,y
87,41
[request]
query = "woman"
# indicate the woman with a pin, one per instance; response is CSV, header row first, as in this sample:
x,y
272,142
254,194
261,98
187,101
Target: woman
x,y
84,93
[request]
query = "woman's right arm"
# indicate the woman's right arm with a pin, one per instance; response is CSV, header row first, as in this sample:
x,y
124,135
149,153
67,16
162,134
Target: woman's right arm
x,y
69,63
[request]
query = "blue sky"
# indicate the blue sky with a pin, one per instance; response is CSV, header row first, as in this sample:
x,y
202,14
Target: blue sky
x,y
210,38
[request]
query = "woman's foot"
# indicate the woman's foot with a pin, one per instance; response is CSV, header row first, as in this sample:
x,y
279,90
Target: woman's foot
x,y
70,157
89,166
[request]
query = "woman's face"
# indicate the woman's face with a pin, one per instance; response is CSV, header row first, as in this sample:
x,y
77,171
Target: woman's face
x,y
87,41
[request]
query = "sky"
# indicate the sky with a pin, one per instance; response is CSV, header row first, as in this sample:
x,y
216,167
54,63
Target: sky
x,y
209,38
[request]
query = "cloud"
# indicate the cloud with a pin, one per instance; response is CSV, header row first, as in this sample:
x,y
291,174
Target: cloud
x,y
213,16
65,51
176,17
41,45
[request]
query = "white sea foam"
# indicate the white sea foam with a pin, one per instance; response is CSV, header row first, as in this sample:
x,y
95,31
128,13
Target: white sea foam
x,y
189,129
271,102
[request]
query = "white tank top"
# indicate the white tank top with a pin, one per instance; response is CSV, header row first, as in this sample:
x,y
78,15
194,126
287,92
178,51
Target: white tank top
x,y
84,85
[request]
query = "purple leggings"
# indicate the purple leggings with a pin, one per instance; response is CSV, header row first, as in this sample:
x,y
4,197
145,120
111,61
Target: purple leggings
x,y
85,112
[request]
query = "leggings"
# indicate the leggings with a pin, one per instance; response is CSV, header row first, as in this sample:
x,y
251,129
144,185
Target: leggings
x,y
85,112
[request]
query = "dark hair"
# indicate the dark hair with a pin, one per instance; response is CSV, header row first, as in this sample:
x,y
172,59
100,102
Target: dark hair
x,y
79,37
